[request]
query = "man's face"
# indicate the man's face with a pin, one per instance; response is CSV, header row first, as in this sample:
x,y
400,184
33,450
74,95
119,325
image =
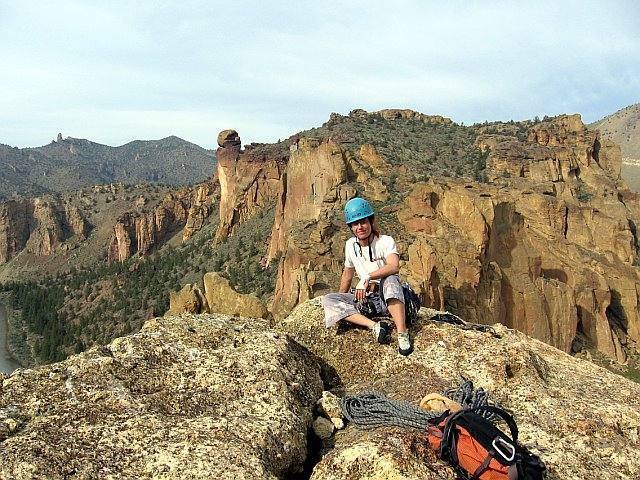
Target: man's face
x,y
361,228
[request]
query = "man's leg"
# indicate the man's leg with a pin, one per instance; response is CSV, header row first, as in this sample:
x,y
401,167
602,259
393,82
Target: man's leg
x,y
396,310
341,306
359,319
394,297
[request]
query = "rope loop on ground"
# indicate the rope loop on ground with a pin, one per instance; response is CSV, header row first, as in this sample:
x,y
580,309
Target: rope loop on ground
x,y
373,409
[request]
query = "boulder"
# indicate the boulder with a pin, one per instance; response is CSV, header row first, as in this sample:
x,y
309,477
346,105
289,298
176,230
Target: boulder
x,y
228,138
188,300
198,397
323,428
564,406
222,298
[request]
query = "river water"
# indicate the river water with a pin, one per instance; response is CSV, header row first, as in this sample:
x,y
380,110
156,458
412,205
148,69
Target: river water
x,y
7,365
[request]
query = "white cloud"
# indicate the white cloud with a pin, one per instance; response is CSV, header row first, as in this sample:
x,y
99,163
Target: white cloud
x,y
117,71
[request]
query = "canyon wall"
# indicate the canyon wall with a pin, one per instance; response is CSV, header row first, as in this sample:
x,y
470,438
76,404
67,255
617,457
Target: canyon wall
x,y
39,226
548,245
138,232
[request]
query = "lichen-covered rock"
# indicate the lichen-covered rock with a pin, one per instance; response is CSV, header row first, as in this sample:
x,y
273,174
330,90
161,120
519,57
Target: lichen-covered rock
x,y
329,406
323,428
203,397
580,418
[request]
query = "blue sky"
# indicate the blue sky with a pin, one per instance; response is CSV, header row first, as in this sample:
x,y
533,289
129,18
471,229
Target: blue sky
x,y
117,71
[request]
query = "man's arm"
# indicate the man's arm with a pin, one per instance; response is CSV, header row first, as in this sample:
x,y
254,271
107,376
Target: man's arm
x,y
345,280
391,267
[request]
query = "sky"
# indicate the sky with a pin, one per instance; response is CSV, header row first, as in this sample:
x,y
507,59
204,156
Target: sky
x,y
117,71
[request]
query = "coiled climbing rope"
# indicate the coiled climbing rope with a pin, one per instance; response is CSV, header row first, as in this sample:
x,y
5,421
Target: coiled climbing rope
x,y
468,397
373,409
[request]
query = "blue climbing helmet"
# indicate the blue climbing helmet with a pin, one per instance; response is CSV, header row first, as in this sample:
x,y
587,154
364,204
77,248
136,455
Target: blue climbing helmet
x,y
357,209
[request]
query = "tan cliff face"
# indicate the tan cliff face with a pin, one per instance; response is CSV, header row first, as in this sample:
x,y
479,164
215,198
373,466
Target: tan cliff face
x,y
307,231
548,246
249,181
39,226
512,257
139,232
550,252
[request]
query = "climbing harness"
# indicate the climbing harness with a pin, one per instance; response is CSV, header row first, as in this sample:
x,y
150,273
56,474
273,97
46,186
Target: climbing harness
x,y
374,306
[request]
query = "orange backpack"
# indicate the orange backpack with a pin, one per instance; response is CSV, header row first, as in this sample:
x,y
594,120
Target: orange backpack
x,y
478,450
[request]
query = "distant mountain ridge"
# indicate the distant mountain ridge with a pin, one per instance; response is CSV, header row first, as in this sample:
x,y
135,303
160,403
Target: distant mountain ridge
x,y
73,163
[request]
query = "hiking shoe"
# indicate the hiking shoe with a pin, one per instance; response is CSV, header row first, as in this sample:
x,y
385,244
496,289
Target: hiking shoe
x,y
381,331
404,344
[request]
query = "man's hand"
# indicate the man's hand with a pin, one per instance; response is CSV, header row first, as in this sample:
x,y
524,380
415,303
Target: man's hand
x,y
361,289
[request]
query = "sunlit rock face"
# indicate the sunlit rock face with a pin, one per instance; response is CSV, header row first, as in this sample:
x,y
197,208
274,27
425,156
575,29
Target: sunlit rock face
x,y
39,225
206,396
140,231
249,180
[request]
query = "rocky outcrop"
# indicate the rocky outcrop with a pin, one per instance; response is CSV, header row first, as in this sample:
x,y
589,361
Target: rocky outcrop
x,y
564,406
203,396
201,208
14,229
40,225
561,153
523,259
249,180
538,255
188,397
189,299
221,298
398,113
218,297
140,231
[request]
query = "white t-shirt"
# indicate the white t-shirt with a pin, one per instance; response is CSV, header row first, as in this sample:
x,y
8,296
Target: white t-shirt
x,y
357,256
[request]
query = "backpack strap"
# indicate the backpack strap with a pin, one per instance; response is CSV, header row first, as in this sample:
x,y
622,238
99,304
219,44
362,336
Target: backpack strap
x,y
503,414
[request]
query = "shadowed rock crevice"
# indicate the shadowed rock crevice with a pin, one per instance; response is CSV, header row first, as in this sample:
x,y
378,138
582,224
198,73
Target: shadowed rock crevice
x,y
616,314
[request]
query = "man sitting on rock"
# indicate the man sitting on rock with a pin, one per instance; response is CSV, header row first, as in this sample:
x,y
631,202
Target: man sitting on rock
x,y
375,259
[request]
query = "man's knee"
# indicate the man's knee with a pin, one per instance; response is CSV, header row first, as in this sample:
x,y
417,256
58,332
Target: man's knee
x,y
333,299
392,289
